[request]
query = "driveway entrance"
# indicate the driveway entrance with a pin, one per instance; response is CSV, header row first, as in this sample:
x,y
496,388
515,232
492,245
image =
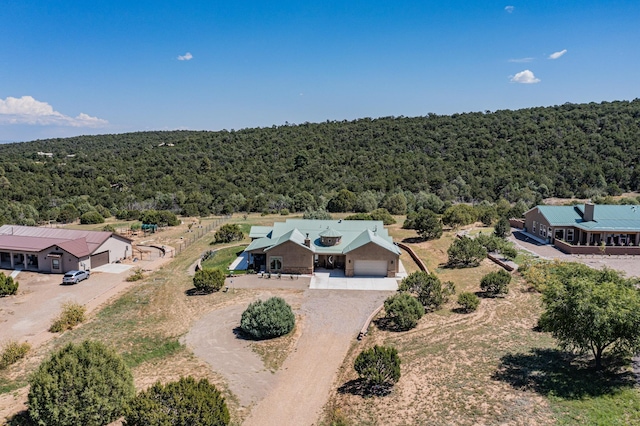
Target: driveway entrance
x,y
335,280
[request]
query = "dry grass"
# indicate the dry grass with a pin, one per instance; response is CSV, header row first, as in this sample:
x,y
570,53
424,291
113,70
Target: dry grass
x,y
274,352
146,323
449,360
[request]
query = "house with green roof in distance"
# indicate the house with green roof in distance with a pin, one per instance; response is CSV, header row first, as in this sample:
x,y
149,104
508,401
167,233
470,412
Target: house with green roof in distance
x,y
587,228
302,246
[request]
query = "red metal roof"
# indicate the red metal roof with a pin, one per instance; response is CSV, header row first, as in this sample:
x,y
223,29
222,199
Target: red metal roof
x,y
34,239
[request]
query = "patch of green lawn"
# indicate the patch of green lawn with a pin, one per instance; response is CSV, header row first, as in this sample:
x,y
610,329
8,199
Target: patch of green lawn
x,y
222,258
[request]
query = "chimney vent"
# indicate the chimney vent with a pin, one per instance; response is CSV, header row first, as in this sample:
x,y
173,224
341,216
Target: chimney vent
x,y
588,212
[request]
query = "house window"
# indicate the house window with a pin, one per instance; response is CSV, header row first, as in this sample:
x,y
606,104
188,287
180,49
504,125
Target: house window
x,y
570,235
275,263
534,227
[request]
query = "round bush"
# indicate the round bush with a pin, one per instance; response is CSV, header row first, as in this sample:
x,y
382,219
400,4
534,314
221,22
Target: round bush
x,y
182,403
496,283
8,286
379,367
269,319
403,311
468,302
91,217
86,384
208,280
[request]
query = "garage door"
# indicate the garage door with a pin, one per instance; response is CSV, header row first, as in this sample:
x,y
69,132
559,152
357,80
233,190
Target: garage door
x,y
374,268
99,259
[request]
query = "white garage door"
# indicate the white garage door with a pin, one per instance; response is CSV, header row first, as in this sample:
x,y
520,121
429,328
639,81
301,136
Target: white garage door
x,y
374,268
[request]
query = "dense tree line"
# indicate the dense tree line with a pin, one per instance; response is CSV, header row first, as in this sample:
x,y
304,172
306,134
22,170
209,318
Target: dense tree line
x,y
398,163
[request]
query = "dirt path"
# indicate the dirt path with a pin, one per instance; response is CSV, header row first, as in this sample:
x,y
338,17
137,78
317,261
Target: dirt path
x,y
296,394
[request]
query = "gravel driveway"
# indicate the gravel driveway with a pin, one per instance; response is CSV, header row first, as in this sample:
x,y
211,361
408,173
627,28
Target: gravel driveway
x,y
28,315
297,392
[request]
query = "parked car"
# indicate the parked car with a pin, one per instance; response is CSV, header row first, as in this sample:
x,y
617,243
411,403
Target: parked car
x,y
74,277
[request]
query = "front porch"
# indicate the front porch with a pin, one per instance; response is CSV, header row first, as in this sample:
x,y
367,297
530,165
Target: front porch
x,y
19,260
596,246
609,239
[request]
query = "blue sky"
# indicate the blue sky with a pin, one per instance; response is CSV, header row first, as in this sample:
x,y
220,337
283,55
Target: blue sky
x,y
89,67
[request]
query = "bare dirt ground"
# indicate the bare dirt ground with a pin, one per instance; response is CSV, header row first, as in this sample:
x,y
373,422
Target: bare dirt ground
x,y
296,393
28,315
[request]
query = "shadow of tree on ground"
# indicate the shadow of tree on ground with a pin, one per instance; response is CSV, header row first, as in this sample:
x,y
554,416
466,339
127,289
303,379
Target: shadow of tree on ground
x,y
413,240
20,419
362,388
558,373
387,324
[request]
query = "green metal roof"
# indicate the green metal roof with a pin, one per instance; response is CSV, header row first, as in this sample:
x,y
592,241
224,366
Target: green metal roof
x,y
561,215
330,232
259,231
606,217
294,236
354,233
260,243
369,237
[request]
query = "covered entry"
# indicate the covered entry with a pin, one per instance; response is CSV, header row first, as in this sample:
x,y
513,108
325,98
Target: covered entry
x,y
372,268
99,259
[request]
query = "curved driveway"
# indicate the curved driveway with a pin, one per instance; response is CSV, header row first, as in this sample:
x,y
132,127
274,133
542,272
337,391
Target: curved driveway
x,y
296,394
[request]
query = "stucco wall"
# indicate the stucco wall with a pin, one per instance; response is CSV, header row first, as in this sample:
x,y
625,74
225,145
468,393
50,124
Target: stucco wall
x,y
295,258
118,248
372,251
530,217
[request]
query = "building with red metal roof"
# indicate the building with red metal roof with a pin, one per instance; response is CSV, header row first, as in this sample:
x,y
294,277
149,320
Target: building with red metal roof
x,y
57,250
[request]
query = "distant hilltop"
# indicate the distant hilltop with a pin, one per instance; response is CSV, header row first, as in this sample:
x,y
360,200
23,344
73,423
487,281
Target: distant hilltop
x,y
402,164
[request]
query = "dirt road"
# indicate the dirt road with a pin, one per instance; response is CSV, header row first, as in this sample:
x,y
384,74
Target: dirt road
x,y
296,394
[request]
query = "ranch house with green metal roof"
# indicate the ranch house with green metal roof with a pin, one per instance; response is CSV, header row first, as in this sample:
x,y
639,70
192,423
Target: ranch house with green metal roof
x,y
301,246
587,228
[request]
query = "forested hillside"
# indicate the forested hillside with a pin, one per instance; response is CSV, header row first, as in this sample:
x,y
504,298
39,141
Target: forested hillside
x,y
585,150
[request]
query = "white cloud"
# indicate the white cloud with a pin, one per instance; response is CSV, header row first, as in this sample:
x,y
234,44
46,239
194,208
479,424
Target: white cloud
x,y
521,60
509,9
27,110
186,57
556,55
525,77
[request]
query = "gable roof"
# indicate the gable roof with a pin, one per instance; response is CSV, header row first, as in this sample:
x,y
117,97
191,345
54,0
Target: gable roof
x,y
259,231
606,217
369,237
35,239
294,236
354,233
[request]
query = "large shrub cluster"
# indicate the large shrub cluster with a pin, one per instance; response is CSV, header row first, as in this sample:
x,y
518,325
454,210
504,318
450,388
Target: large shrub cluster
x,y
379,368
85,384
71,315
228,233
8,286
208,280
496,283
91,218
12,352
428,289
186,402
465,252
268,319
403,311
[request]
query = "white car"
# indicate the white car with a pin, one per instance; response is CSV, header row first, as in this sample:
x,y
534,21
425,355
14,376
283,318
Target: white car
x,y
74,277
